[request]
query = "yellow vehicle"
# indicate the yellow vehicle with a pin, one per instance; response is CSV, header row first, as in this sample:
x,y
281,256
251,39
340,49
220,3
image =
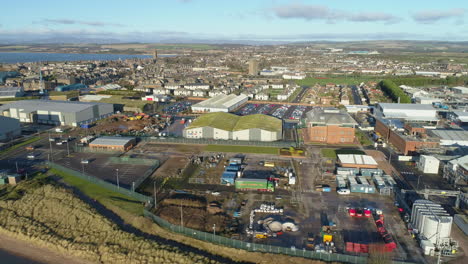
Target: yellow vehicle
x,y
327,238
261,236
269,164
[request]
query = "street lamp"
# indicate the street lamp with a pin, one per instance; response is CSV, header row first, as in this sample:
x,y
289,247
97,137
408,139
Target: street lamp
x,y
118,185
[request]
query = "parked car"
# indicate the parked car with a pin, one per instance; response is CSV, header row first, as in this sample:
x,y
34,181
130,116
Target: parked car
x,y
32,156
343,191
359,212
85,161
352,212
367,213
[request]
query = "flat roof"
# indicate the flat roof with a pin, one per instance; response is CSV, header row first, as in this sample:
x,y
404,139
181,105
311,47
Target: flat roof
x,y
451,134
357,159
112,141
221,101
390,106
49,105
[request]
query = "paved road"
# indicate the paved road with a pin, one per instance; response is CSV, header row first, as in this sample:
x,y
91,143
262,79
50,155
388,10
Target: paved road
x,y
356,97
301,94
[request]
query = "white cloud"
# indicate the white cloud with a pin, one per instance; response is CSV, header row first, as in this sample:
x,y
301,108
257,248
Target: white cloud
x,y
319,12
48,21
431,16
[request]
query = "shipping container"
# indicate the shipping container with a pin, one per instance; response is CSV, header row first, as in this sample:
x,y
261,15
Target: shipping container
x,y
228,177
254,184
3,179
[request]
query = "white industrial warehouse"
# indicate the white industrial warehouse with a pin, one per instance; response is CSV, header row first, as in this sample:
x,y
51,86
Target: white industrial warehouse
x,y
411,112
227,126
63,113
9,128
220,103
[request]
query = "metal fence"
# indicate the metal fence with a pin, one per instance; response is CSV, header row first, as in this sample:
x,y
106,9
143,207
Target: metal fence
x,y
101,183
145,176
212,238
135,161
277,144
224,241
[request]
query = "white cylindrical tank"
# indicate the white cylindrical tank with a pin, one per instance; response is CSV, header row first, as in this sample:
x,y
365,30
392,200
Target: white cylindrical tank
x,y
436,227
275,226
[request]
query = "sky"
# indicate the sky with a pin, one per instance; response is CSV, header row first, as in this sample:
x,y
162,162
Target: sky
x,y
238,20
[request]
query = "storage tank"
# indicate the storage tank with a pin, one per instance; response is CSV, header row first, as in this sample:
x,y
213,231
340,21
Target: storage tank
x,y
275,226
436,227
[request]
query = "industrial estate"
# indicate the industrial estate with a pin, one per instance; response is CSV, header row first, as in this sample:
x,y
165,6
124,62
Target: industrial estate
x,y
311,152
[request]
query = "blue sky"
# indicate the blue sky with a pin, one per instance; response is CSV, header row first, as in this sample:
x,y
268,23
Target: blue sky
x,y
282,20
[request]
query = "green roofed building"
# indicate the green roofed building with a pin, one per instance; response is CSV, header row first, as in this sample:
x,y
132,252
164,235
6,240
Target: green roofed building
x,y
226,126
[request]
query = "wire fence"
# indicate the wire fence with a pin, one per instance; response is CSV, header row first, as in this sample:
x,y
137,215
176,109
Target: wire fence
x,y
224,241
213,238
147,174
101,183
277,144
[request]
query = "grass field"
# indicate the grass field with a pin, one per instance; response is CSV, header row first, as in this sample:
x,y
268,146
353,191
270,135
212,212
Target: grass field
x,y
242,149
101,194
332,153
362,138
24,143
345,80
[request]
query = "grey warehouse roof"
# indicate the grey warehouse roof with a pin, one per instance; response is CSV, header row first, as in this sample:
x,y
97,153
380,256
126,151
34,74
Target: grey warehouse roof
x,y
112,141
49,105
409,107
448,134
320,116
221,101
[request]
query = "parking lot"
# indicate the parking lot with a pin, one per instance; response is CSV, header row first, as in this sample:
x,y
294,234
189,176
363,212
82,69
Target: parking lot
x,y
281,111
101,167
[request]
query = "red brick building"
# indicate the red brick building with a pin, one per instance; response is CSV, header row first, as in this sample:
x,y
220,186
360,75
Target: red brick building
x,y
408,141
330,126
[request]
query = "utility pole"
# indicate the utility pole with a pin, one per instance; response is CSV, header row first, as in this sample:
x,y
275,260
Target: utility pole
x,y
214,229
181,215
68,149
17,169
118,185
154,191
50,144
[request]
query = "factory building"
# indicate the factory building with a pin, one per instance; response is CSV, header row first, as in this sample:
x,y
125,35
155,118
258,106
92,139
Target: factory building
x,y
220,103
226,126
330,126
9,128
411,112
456,171
11,91
65,113
113,143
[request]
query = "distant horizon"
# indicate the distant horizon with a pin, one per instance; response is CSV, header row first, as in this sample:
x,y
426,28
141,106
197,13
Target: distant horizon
x,y
224,42
121,21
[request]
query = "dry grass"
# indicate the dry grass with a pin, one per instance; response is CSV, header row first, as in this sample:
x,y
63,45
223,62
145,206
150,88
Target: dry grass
x,y
54,217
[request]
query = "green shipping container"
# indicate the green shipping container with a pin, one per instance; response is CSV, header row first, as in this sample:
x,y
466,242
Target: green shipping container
x,y
254,184
3,180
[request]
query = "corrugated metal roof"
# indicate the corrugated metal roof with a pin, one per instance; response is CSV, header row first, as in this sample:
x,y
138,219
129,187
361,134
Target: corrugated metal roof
x,y
357,159
49,105
221,101
112,141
